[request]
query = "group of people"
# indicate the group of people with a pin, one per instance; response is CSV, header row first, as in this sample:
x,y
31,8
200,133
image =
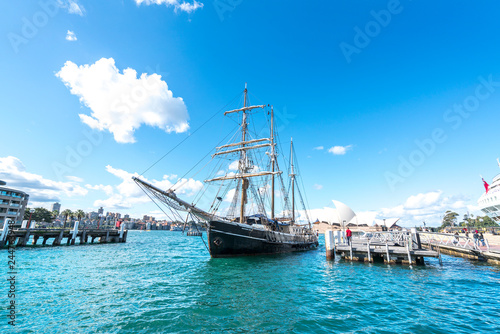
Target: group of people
x,y
477,236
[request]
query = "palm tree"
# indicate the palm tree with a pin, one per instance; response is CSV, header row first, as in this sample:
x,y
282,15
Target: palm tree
x,y
79,214
67,214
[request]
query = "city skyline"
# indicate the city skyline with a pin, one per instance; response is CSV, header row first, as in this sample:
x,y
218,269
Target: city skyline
x,y
389,108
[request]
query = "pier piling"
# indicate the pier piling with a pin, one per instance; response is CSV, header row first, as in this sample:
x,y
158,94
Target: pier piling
x,y
389,247
21,237
330,245
368,251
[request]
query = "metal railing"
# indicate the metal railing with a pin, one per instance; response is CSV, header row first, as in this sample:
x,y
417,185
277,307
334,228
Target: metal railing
x,y
453,240
395,237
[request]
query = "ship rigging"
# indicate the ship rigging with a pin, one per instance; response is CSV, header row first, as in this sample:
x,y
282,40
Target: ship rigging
x,y
244,217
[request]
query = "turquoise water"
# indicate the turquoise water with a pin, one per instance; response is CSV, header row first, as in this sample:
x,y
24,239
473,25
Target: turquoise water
x,y
163,282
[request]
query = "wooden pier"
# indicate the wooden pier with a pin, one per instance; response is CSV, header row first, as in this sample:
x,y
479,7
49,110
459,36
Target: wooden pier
x,y
461,246
20,237
384,247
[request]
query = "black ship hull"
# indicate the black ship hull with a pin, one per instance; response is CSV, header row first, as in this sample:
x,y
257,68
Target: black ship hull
x,y
233,239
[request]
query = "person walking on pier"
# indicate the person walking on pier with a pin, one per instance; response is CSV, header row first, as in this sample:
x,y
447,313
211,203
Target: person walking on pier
x,y
476,239
481,238
348,234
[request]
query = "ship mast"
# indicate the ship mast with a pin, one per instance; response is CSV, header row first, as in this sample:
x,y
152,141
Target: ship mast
x,y
242,165
272,162
244,170
292,175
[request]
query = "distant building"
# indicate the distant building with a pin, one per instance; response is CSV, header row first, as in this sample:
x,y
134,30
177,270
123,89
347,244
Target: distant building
x,y
12,204
100,211
126,217
56,207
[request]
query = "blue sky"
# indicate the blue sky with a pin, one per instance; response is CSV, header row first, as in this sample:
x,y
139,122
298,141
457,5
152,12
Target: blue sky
x,y
407,90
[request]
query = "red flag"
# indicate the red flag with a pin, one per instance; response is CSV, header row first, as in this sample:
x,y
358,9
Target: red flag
x,y
486,186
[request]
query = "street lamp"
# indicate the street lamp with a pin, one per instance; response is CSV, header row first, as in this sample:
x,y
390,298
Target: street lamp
x,y
31,213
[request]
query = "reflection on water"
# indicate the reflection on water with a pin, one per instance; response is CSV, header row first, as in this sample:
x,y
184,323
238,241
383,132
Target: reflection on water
x,y
163,282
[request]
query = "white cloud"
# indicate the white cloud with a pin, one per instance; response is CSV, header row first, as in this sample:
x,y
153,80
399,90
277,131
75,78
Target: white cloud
x,y
121,103
183,6
230,195
319,148
13,171
429,207
106,188
72,6
422,200
326,214
318,186
339,150
234,165
70,36
74,178
127,194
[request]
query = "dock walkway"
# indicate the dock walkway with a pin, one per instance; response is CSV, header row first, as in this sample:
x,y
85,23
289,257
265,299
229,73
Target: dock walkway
x,y
387,247
20,237
462,246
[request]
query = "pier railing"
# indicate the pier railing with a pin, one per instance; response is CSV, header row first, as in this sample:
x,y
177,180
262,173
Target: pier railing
x,y
458,241
389,247
401,238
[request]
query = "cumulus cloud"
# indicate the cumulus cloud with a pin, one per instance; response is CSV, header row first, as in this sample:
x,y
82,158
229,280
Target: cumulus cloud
x,y
422,200
325,214
40,189
318,186
339,150
234,165
74,178
183,6
429,207
70,36
72,6
319,148
127,194
106,188
122,102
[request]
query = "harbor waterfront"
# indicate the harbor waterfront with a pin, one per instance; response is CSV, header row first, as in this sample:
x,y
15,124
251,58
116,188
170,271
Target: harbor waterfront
x,y
164,282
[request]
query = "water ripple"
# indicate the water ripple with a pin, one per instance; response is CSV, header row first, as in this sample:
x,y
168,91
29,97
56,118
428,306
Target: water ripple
x,y
162,282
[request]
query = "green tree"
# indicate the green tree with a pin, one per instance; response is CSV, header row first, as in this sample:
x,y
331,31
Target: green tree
x,y
67,214
79,214
40,214
485,222
27,214
449,219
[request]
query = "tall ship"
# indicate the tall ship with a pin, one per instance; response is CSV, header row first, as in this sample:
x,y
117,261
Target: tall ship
x,y
253,209
489,202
